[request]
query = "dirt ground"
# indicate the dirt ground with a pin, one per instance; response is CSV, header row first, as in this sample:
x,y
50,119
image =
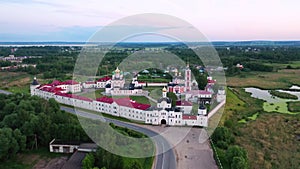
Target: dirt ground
x,y
55,163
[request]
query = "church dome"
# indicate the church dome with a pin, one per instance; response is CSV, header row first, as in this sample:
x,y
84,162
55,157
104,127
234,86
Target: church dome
x,y
117,70
164,89
35,82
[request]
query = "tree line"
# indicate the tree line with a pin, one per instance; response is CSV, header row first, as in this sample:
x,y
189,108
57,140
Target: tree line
x,y
29,122
231,156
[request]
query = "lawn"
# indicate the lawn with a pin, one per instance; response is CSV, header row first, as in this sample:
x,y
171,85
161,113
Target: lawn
x,y
93,94
282,79
140,99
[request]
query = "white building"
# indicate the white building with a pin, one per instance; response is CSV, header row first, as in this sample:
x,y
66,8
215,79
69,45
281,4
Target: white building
x,y
162,113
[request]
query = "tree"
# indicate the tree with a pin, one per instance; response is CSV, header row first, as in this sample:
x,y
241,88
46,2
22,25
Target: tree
x,y
173,97
239,163
88,161
222,137
236,151
134,165
20,138
9,145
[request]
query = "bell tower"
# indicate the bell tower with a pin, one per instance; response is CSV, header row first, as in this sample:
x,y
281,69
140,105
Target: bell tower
x,y
188,76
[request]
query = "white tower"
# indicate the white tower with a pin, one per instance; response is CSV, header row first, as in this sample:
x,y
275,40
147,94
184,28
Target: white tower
x,y
188,83
221,95
202,110
33,86
164,92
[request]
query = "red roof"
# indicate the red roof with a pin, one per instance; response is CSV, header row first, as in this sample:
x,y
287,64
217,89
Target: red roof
x,y
189,117
124,102
130,103
183,103
104,79
51,89
211,81
105,100
68,82
55,83
74,96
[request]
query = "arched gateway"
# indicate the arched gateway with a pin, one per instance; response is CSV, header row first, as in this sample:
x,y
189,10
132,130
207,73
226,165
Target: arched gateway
x,y
163,121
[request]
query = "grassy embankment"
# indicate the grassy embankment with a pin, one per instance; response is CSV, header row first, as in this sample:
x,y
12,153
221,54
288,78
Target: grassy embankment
x,y
145,162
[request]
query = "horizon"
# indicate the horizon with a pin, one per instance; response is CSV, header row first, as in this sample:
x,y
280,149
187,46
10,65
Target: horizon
x,y
271,20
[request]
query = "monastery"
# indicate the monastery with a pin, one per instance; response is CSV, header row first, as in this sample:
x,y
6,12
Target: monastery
x,y
161,113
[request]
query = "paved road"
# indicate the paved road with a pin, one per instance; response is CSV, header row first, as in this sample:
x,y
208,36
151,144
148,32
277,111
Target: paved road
x,y
166,160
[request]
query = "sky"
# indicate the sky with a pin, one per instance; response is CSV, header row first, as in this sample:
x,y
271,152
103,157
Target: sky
x,y
218,20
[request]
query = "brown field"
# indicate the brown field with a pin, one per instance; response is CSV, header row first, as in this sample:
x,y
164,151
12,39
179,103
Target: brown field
x,y
270,140
15,81
266,80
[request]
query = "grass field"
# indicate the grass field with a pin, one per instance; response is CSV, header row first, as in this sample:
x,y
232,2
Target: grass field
x,y
94,94
27,160
294,106
280,107
282,79
295,64
16,82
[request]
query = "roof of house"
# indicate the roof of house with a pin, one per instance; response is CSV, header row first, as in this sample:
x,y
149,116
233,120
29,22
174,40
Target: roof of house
x,y
183,103
68,82
189,117
35,82
105,100
104,79
51,89
124,102
127,102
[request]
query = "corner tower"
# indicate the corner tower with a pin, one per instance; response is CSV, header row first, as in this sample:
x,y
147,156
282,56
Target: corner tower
x,y
33,86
